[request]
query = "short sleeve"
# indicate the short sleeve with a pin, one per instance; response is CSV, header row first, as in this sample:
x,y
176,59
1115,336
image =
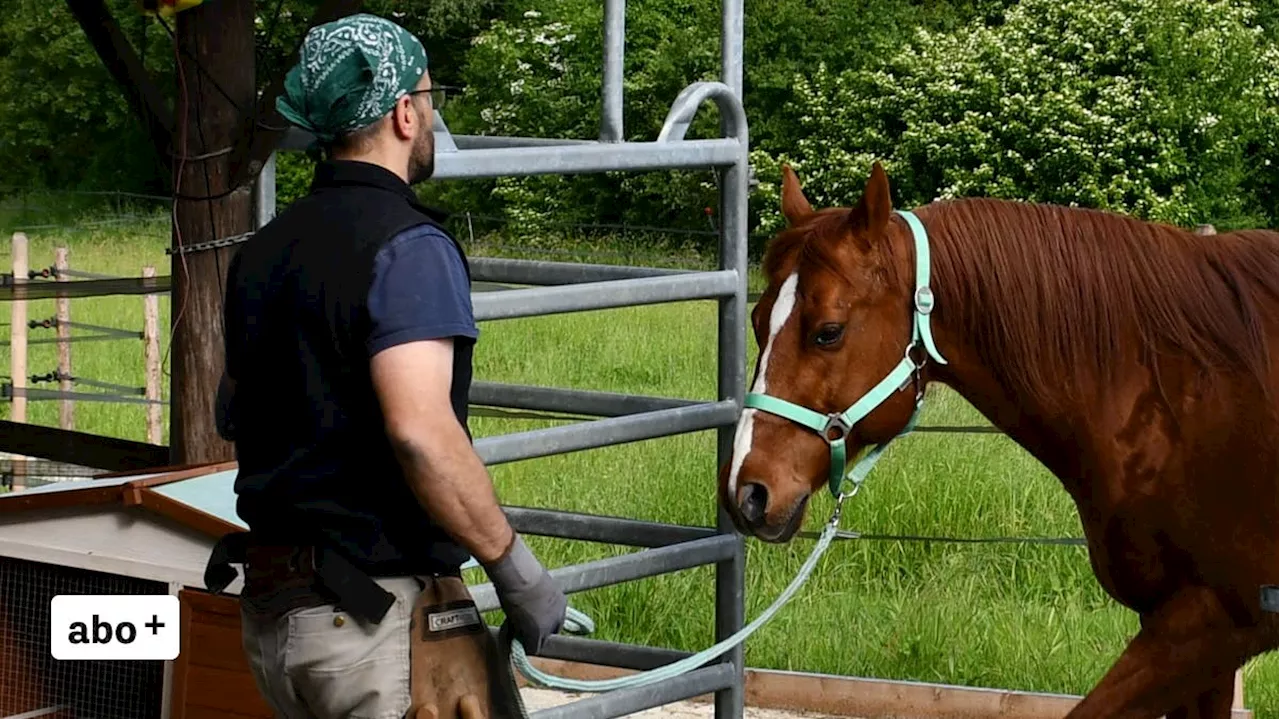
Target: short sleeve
x,y
420,291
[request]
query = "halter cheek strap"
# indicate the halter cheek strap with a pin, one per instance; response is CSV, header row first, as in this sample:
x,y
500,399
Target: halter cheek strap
x,y
835,428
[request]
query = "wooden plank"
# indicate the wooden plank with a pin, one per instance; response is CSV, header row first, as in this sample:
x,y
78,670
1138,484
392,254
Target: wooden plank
x,y
197,712
67,407
82,448
180,473
186,515
219,645
123,63
87,497
261,131
210,604
18,347
225,691
151,356
217,680
866,698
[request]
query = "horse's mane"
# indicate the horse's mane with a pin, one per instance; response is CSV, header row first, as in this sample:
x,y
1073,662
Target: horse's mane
x,y
1050,293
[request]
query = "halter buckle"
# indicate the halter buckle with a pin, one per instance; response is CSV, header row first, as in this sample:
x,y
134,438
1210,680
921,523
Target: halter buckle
x,y
924,300
836,422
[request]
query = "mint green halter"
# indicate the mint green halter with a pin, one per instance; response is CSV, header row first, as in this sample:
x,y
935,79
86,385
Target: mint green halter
x,y
897,380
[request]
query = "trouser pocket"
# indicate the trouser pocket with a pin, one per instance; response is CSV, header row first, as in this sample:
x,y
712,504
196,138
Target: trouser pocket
x,y
344,667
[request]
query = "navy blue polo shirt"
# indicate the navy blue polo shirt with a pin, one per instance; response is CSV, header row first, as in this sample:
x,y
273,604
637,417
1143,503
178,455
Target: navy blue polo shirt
x,y
419,291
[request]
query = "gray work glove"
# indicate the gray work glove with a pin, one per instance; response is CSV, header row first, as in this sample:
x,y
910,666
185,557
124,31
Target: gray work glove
x,y
534,605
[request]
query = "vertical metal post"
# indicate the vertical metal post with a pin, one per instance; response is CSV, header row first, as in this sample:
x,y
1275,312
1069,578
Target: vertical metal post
x,y
731,45
264,195
615,13
731,574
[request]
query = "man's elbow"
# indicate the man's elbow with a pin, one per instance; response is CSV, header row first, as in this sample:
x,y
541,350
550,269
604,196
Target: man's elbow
x,y
423,446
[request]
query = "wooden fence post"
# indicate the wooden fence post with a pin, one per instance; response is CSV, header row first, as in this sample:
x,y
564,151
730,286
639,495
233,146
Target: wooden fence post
x,y
18,351
151,350
66,413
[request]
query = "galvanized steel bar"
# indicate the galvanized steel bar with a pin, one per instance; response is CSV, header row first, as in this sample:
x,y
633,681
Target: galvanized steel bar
x,y
639,657
570,401
604,432
595,528
582,159
540,272
615,13
732,323
733,119
624,568
629,701
538,301
489,142
567,157
731,44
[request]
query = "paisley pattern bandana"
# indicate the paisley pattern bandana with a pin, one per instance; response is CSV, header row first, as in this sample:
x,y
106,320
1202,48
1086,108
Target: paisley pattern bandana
x,y
350,73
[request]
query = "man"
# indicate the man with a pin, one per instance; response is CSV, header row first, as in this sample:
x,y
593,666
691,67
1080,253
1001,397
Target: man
x,y
349,334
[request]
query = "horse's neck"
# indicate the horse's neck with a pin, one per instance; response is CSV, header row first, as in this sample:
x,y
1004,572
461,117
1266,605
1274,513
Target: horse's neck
x,y
1056,436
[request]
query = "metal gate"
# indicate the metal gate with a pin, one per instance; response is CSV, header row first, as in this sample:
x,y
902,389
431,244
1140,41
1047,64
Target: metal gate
x,y
571,287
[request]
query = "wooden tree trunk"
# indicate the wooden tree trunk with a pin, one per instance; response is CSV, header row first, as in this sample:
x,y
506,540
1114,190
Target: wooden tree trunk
x,y
219,37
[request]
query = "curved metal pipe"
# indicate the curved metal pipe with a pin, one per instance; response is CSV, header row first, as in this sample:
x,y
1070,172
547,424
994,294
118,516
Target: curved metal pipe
x,y
733,119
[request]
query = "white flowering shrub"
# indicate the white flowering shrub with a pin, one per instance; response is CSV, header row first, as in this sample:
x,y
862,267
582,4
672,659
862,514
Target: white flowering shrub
x,y
1165,109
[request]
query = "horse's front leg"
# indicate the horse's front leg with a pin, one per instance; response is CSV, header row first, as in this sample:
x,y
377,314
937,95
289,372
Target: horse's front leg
x,y
1215,703
1187,648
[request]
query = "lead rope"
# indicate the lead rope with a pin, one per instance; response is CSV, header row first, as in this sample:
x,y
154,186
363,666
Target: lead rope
x,y
577,622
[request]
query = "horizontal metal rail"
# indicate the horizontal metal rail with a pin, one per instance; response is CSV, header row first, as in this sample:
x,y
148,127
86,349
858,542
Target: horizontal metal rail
x,y
597,528
523,157
570,401
639,657
629,701
605,432
572,159
489,142
587,296
627,567
540,272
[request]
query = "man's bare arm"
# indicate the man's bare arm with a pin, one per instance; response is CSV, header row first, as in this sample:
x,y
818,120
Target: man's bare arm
x,y
412,382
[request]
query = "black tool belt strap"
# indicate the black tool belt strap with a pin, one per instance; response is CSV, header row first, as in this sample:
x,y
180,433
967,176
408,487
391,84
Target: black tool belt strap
x,y
355,590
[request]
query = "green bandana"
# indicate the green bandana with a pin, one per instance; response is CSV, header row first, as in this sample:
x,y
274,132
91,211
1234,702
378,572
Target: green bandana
x,y
350,73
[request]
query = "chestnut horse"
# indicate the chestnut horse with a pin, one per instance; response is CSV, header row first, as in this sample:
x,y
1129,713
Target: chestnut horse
x,y
1136,361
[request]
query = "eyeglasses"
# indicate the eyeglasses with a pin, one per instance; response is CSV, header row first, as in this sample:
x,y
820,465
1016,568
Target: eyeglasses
x,y
438,94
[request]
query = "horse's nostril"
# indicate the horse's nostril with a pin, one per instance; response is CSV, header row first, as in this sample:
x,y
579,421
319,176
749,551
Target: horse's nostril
x,y
755,499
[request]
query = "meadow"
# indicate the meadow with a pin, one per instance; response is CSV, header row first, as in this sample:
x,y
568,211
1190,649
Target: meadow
x,y
1018,616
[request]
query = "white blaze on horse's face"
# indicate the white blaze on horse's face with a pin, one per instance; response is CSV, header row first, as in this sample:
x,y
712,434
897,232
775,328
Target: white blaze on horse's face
x,y
782,309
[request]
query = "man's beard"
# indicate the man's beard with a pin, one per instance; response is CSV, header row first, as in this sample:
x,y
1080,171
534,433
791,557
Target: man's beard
x,y
422,161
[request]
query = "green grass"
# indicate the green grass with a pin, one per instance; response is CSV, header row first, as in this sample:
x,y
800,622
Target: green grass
x,y
1020,617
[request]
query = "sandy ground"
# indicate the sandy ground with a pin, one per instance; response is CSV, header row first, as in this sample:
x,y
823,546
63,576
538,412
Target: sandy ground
x,y
535,699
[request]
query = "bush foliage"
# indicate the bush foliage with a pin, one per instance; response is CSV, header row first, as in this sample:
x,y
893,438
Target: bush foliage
x,y
1165,109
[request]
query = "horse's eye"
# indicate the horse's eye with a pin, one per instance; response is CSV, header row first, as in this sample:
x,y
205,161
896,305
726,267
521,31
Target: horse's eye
x,y
829,335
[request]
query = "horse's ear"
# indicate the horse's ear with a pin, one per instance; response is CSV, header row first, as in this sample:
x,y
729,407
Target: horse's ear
x,y
872,211
795,207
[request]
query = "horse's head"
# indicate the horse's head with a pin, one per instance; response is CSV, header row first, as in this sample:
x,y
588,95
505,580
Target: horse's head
x,y
833,324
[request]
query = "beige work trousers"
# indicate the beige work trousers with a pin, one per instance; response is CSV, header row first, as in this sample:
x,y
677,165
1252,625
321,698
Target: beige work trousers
x,y
318,663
